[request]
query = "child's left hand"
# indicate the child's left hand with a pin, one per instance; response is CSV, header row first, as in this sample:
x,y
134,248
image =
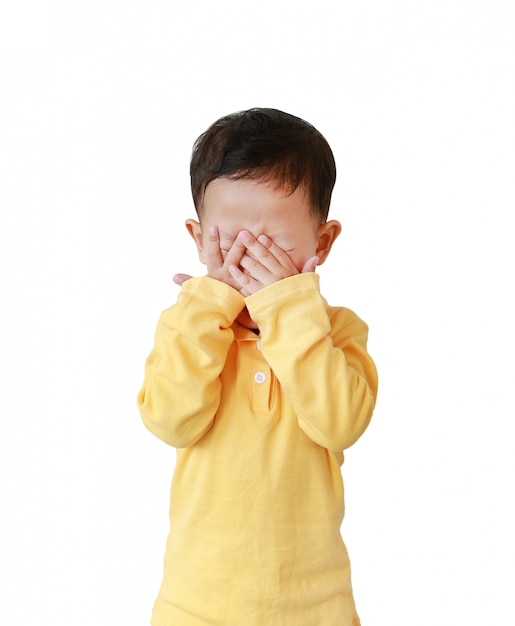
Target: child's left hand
x,y
265,263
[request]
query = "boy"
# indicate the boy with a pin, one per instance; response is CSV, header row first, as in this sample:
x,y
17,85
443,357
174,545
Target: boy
x,y
260,385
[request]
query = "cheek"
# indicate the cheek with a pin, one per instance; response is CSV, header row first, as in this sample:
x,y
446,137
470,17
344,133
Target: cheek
x,y
299,257
298,260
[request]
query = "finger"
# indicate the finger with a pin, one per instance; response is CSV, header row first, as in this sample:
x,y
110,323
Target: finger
x,y
255,269
214,258
310,265
179,279
247,283
235,253
271,256
280,255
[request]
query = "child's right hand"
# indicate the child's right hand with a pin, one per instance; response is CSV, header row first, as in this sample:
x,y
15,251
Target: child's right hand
x,y
218,262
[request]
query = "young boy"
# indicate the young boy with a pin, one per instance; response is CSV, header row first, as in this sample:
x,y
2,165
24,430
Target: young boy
x,y
260,385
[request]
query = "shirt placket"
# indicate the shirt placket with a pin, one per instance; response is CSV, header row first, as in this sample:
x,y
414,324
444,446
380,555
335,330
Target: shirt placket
x,y
260,381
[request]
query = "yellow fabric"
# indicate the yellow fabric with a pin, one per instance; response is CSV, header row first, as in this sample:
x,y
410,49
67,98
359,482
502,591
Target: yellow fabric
x,y
257,494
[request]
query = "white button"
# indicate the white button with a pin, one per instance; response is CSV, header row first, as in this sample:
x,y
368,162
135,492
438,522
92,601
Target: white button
x,y
260,377
258,344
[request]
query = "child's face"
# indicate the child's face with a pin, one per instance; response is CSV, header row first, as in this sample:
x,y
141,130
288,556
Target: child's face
x,y
262,209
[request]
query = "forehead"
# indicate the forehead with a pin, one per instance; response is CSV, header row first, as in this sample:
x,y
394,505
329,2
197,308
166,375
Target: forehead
x,y
228,187
240,199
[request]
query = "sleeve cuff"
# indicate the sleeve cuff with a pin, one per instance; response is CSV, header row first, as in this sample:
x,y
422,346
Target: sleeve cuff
x,y
212,294
294,287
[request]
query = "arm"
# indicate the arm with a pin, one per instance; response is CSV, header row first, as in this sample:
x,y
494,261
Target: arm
x,y
181,389
319,356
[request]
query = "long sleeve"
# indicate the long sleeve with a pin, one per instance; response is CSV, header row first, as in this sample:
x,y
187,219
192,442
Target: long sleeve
x,y
319,355
181,389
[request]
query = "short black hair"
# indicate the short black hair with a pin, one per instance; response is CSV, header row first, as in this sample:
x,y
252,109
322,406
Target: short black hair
x,y
267,144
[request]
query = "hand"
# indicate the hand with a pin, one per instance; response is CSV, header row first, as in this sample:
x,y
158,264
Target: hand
x,y
263,263
218,263
180,279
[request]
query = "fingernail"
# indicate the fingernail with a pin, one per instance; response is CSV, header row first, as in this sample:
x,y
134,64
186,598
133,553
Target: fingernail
x,y
315,262
213,230
244,236
262,239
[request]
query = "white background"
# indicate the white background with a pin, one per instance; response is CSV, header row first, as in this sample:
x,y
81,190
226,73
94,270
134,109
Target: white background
x,y
100,104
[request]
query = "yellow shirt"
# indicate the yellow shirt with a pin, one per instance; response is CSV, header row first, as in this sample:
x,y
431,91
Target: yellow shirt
x,y
260,423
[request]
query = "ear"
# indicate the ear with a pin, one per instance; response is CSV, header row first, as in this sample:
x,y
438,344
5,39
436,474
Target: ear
x,y
195,231
327,235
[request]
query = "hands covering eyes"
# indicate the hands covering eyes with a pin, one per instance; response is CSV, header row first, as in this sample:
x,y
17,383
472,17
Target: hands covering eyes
x,y
250,264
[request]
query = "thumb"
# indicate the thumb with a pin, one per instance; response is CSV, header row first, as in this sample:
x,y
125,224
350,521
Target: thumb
x,y
179,279
310,265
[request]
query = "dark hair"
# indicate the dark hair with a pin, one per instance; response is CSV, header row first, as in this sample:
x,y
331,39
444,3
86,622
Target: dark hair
x,y
265,144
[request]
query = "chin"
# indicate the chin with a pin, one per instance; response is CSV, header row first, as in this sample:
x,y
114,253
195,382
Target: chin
x,y
245,320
